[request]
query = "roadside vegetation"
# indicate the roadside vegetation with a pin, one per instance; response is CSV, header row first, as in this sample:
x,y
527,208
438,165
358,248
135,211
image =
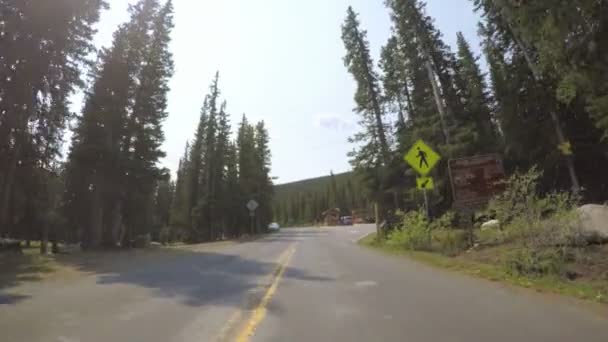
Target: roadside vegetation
x,y
538,241
541,102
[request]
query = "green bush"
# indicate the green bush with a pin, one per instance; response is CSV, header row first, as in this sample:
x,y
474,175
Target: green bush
x,y
530,262
416,232
543,227
450,242
413,232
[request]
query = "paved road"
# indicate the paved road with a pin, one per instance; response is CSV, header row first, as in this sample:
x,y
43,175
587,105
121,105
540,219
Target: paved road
x,y
298,285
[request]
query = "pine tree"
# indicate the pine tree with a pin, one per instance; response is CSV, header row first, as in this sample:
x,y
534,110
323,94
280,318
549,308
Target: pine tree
x,y
475,97
264,191
220,172
93,155
195,167
395,81
150,110
180,208
117,142
232,195
42,47
359,62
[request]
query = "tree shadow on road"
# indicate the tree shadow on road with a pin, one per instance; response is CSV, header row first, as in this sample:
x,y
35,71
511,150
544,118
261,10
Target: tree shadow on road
x,y
10,299
19,268
194,278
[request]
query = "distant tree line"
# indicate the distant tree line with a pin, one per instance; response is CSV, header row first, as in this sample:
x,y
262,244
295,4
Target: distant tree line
x,y
111,189
543,102
304,202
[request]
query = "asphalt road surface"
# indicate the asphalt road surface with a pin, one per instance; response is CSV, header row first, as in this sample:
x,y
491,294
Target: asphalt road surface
x,y
304,285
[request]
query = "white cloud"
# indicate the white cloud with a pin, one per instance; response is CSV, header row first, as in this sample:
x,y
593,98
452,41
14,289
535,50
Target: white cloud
x,y
335,122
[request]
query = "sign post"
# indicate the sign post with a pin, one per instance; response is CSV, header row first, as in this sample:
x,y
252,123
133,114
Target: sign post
x,y
252,205
423,160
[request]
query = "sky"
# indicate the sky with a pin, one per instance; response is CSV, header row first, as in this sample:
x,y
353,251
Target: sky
x,y
279,61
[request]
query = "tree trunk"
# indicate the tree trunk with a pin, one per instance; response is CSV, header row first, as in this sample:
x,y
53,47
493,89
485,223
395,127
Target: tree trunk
x,y
113,230
96,220
438,101
44,240
408,99
7,188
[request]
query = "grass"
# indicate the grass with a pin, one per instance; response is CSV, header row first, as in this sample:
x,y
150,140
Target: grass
x,y
486,264
29,266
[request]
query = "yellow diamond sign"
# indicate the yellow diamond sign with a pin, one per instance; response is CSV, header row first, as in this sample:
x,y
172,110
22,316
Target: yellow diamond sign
x,y
425,183
422,158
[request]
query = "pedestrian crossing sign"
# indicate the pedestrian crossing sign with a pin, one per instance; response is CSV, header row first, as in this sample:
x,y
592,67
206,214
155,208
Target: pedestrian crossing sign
x,y
425,183
422,158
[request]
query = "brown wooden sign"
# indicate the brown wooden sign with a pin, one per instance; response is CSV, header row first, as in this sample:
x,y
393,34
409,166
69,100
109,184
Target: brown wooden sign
x,y
475,180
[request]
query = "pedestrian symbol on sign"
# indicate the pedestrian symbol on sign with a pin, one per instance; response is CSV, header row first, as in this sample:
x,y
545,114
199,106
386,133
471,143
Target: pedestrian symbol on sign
x,y
422,158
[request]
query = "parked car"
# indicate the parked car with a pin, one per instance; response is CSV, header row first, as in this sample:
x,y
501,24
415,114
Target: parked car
x,y
347,220
274,227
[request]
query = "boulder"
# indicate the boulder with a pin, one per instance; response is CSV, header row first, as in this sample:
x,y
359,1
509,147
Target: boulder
x,y
594,222
69,248
492,224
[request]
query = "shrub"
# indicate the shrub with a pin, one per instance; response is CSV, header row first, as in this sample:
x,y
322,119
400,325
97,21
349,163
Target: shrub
x,y
413,233
450,241
530,262
544,228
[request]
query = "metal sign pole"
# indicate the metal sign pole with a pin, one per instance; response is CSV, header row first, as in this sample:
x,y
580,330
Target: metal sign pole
x,y
426,204
252,222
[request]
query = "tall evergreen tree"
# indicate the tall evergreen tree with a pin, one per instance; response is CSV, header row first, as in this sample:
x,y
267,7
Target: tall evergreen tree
x,y
117,142
145,123
42,47
264,190
180,215
358,60
395,80
475,96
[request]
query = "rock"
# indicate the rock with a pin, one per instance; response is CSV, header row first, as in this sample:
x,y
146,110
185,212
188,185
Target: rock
x,y
69,248
594,223
492,224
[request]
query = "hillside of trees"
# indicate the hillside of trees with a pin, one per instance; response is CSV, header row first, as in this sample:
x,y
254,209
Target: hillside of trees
x,y
111,188
543,102
305,201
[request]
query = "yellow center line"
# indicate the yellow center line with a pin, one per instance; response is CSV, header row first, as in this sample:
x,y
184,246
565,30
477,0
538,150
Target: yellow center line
x,y
259,313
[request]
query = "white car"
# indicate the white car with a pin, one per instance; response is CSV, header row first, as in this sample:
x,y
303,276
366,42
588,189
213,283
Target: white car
x,y
274,227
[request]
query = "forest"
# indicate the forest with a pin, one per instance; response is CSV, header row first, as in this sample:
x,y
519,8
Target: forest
x,y
542,102
303,202
110,189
